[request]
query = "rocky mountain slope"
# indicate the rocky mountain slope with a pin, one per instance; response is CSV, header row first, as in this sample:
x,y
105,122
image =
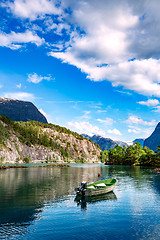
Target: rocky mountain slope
x,y
34,141
18,110
105,143
154,140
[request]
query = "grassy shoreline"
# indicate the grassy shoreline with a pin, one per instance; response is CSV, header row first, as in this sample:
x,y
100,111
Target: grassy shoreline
x,y
3,167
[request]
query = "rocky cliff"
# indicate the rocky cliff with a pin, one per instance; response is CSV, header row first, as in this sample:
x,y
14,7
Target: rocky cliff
x,y
105,143
18,110
37,142
154,140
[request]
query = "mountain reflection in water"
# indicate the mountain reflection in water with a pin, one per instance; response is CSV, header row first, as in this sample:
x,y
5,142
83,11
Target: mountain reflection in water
x,y
39,203
25,192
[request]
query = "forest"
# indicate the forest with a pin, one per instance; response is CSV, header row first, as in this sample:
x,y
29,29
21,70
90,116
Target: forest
x,y
131,155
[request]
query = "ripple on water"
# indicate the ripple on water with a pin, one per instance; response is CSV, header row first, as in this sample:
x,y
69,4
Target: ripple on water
x,y
40,204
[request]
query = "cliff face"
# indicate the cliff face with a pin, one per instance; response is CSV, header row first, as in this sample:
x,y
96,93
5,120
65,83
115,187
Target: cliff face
x,y
18,110
105,143
44,142
154,140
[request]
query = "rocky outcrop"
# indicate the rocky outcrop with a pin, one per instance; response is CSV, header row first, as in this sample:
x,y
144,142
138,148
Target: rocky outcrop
x,y
79,149
18,110
105,143
154,140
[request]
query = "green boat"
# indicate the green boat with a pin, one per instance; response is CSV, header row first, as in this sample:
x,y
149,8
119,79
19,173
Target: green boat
x,y
96,188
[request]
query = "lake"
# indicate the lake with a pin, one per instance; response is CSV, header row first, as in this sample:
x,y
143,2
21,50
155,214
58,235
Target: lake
x,y
40,203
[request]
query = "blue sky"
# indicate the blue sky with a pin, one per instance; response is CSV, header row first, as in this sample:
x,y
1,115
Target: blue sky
x,y
89,65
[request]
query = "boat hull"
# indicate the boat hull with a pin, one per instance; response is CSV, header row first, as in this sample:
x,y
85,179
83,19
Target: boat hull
x,y
90,192
98,191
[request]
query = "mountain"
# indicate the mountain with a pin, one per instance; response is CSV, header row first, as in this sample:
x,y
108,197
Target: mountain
x,y
105,143
139,140
154,140
41,142
18,110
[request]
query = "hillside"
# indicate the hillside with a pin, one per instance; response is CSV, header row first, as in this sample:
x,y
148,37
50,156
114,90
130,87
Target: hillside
x,y
18,110
154,140
105,143
35,141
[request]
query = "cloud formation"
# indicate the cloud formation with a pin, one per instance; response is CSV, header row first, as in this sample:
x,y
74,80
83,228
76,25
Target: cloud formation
x,y
114,131
20,96
15,40
114,33
144,132
85,127
35,78
107,121
150,102
107,40
32,9
136,120
19,85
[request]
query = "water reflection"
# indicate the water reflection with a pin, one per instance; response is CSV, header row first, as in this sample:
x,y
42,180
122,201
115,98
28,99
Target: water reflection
x,y
83,201
25,194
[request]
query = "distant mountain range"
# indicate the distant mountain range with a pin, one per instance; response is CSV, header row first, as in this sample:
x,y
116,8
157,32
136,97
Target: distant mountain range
x,y
18,110
105,143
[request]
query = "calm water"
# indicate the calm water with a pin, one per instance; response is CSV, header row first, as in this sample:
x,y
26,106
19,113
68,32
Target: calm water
x,y
39,203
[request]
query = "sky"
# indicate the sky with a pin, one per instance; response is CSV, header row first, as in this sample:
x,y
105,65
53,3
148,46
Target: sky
x,y
92,66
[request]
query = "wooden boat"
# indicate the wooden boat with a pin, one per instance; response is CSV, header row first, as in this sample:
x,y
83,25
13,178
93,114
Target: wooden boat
x,y
96,188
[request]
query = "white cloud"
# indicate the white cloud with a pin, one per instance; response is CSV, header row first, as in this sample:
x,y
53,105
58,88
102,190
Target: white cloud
x,y
133,131
142,76
20,96
32,9
101,111
102,38
150,102
86,127
107,121
19,85
114,131
156,109
86,115
143,132
35,78
16,40
112,30
136,120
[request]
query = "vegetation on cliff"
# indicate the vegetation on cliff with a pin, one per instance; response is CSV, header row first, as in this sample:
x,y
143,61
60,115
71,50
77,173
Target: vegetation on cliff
x,y
68,144
61,143
132,155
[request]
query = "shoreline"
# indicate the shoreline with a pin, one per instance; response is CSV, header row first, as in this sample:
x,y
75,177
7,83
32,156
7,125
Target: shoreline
x,y
4,167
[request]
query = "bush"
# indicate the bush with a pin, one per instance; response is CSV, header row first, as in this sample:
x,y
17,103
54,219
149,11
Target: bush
x,y
26,159
4,134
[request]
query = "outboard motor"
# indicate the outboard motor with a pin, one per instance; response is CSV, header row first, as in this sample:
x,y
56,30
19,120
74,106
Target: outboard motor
x,y
82,189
